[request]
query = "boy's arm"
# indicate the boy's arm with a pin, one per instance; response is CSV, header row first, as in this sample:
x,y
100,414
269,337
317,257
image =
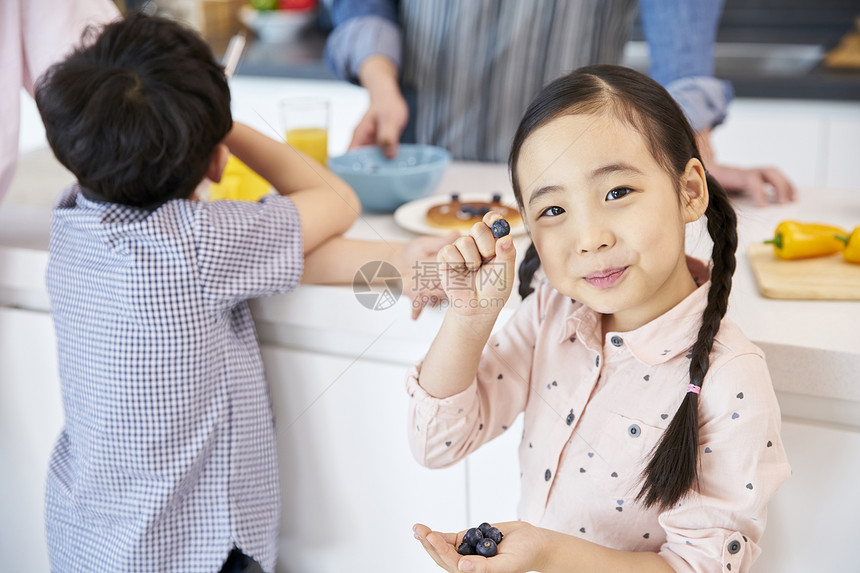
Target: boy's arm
x,y
338,259
327,206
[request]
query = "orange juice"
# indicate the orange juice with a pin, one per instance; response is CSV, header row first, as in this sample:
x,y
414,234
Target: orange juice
x,y
311,140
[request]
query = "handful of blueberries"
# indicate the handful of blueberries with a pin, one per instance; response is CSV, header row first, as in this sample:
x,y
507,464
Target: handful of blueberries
x,y
482,540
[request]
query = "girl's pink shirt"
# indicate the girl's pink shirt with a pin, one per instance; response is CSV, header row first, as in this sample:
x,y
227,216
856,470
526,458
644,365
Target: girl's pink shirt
x,y
595,405
34,34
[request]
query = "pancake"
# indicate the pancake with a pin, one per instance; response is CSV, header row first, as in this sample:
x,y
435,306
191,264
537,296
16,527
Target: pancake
x,y
461,215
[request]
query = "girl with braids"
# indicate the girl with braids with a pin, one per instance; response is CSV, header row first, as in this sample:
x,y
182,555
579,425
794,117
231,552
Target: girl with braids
x,y
651,430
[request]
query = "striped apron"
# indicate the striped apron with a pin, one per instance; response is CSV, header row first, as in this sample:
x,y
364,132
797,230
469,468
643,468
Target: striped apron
x,y
475,65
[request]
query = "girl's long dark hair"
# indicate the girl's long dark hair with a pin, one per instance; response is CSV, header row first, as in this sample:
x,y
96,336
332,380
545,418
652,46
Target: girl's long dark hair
x,y
643,104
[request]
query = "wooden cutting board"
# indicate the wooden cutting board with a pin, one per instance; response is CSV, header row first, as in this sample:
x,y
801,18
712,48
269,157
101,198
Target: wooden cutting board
x,y
825,278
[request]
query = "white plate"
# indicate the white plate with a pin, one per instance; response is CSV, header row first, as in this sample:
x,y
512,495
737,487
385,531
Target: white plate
x,y
412,216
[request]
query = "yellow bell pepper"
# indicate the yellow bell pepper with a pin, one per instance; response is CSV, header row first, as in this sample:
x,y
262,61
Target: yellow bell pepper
x,y
852,246
794,240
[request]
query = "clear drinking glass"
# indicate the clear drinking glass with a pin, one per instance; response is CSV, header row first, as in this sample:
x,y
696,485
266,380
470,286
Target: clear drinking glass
x,y
305,122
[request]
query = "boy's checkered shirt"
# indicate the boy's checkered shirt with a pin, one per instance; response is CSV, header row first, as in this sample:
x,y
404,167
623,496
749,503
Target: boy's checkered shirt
x,y
167,458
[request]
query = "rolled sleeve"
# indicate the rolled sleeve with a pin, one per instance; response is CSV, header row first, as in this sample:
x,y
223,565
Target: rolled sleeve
x,y
436,423
742,463
442,431
705,100
359,38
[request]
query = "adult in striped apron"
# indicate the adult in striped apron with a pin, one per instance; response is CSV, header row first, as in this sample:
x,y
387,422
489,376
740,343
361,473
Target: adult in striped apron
x,y
460,73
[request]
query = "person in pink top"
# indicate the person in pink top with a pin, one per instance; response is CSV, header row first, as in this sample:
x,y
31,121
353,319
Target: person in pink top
x,y
34,34
651,434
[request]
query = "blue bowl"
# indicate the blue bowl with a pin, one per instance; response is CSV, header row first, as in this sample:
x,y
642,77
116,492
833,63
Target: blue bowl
x,y
385,184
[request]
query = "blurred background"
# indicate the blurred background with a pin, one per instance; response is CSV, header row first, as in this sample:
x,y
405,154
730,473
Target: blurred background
x,y
808,49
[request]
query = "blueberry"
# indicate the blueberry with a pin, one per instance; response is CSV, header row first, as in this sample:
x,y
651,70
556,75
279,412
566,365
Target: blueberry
x,y
483,211
494,534
487,547
497,197
484,528
473,536
501,228
466,549
467,210
455,197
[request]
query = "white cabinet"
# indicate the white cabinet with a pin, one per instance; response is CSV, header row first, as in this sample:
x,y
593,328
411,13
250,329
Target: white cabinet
x,y
843,149
31,416
350,488
815,143
813,519
494,478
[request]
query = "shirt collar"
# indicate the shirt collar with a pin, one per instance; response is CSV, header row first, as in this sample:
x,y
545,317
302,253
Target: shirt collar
x,y
656,342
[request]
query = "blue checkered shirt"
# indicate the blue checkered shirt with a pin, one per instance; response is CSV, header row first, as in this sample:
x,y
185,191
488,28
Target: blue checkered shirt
x,y
167,459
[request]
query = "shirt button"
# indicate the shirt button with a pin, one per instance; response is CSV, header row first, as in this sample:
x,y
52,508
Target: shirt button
x,y
634,431
616,341
734,547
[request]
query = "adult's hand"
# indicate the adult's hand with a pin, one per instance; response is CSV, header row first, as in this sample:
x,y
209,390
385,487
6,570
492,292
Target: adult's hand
x,y
757,182
386,117
760,183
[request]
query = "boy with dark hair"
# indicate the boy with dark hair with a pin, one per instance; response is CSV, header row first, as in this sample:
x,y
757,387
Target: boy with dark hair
x,y
167,461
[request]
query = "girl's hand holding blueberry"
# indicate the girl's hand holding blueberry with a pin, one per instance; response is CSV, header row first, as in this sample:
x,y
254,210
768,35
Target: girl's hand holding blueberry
x,y
477,270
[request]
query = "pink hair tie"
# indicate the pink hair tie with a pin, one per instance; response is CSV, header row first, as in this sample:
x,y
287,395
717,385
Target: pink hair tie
x,y
693,388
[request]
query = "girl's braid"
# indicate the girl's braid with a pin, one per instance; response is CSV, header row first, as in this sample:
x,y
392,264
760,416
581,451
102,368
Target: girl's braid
x,y
527,270
673,468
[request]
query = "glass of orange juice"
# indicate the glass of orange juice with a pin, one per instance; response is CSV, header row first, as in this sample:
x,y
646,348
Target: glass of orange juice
x,y
305,122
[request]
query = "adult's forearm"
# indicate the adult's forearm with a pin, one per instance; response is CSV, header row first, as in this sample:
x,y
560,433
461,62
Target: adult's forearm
x,y
378,74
